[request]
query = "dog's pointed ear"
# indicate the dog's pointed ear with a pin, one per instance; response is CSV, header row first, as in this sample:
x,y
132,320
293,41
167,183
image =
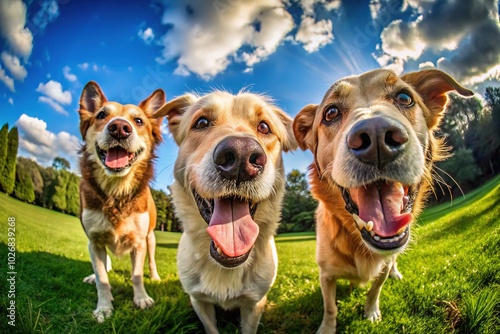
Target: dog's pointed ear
x,y
174,111
302,126
432,85
153,103
150,106
91,100
288,142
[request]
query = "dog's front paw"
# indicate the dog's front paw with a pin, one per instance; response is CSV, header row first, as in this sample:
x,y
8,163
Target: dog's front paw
x,y
327,327
143,302
90,279
373,314
394,273
155,277
101,313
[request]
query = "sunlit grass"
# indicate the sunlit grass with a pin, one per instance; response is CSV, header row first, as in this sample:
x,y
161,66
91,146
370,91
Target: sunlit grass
x,y
451,279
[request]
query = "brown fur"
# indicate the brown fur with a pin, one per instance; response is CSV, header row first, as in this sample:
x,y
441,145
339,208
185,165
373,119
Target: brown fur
x,y
341,250
117,210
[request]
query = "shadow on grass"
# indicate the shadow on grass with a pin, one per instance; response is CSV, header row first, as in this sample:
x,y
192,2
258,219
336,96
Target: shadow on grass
x,y
168,245
50,297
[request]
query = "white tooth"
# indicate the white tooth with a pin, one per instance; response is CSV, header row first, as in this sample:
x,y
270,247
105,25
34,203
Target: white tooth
x,y
369,226
376,237
372,233
219,251
361,222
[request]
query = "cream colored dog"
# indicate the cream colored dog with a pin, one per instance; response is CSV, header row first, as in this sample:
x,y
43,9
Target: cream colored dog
x,y
373,142
229,183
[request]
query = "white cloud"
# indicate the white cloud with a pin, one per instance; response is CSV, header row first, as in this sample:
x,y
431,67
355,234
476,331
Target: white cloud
x,y
54,90
12,22
69,76
426,65
11,100
83,66
8,81
146,35
308,5
49,11
13,64
207,36
56,106
469,30
43,145
314,35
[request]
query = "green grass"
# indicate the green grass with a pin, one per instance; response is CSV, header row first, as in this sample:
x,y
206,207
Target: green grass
x,y
451,279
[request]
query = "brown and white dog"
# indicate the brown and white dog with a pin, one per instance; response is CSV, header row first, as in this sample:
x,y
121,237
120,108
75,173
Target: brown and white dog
x,y
373,142
117,210
229,184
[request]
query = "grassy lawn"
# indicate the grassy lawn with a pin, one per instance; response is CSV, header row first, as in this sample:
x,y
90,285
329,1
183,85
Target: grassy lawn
x,y
451,279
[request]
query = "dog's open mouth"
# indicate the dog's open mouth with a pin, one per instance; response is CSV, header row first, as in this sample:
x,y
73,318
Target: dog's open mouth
x,y
231,227
117,158
382,211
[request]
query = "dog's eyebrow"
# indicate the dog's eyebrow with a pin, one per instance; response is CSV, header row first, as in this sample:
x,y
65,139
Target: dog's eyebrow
x,y
338,91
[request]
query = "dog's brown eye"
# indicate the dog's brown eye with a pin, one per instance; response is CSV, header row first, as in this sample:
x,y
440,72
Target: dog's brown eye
x,y
202,123
139,121
331,113
101,115
263,128
404,99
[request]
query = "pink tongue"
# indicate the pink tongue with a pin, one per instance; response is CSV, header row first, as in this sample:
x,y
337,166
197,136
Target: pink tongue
x,y
382,206
232,228
117,157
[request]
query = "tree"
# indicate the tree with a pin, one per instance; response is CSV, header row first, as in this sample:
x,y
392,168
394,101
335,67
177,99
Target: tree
x,y
4,133
160,199
49,176
61,164
24,189
298,204
461,167
73,195
60,190
8,174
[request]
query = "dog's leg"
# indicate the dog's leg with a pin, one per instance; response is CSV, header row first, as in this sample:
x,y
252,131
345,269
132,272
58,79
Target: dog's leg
x,y
151,241
250,316
104,307
141,298
372,311
329,292
206,314
394,273
90,279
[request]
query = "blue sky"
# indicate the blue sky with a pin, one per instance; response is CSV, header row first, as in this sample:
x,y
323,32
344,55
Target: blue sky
x,y
291,50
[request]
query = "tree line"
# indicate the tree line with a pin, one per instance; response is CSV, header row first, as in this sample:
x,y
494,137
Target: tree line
x,y
56,187
470,127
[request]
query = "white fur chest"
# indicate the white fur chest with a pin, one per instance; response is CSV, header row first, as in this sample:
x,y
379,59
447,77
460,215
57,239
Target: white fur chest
x,y
120,238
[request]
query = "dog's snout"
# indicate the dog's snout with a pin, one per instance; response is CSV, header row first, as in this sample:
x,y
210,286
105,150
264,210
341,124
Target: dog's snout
x,y
239,158
119,129
378,140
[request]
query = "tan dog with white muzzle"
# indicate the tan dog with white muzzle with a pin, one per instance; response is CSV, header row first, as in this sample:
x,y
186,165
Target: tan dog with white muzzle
x,y
229,183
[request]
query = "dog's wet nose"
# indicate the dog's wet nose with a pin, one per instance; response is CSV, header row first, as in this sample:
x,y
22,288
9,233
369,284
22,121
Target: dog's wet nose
x,y
377,141
239,158
119,129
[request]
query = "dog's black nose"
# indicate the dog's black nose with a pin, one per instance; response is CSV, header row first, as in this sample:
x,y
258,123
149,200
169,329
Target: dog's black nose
x,y
239,158
377,141
119,129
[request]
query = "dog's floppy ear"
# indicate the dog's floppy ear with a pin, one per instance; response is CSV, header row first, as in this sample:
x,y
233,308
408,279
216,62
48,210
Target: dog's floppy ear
x,y
432,85
302,125
288,141
91,100
174,110
150,106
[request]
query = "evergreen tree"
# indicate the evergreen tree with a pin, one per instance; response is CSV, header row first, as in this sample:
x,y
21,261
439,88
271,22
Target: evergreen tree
x,y
24,189
60,191
4,133
8,174
72,195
